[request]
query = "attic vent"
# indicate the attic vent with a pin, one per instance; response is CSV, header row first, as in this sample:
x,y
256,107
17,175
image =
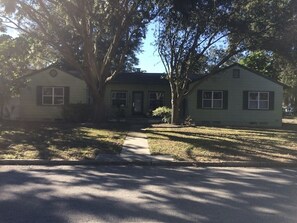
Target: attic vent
x,y
236,73
53,73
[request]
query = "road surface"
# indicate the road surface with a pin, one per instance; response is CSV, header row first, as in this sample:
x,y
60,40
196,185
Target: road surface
x,y
147,194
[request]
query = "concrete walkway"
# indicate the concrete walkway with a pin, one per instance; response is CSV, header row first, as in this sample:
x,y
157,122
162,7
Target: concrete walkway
x,y
136,148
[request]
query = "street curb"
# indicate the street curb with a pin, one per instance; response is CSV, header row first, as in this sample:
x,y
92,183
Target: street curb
x,y
151,162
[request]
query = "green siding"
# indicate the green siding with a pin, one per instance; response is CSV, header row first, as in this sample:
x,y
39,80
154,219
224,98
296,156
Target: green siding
x,y
237,88
130,88
30,100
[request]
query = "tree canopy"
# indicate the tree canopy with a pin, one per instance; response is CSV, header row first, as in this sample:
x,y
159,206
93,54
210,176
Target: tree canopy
x,y
267,63
201,36
95,37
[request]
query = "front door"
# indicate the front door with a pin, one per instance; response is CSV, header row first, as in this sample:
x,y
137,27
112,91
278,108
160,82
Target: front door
x,y
137,102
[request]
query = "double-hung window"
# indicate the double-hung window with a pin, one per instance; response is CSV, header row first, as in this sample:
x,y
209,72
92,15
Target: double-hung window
x,y
258,100
212,99
53,95
156,99
119,98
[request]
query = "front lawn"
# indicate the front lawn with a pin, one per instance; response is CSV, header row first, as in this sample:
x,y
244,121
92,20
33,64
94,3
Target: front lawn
x,y
29,140
221,144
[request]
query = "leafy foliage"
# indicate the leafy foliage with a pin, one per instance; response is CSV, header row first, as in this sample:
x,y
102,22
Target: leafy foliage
x,y
267,63
98,38
163,112
201,36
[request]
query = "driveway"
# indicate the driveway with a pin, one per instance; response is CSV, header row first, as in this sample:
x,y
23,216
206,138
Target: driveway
x,y
147,194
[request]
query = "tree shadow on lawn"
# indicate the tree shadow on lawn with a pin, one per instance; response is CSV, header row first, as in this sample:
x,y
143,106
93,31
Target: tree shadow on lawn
x,y
143,194
50,140
233,147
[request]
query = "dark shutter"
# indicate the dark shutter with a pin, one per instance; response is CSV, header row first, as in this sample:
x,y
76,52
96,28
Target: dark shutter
x,y
271,100
245,100
66,95
199,99
225,100
39,95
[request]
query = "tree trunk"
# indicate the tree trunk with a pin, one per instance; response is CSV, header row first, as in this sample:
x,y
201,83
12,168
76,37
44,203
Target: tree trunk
x,y
175,107
99,109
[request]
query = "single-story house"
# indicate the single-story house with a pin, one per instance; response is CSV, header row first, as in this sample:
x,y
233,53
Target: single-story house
x,y
235,95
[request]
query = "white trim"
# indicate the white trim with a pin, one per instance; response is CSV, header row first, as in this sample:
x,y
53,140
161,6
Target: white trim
x,y
212,99
52,95
258,100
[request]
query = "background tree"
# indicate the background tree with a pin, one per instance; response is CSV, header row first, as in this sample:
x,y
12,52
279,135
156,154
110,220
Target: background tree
x,y
18,56
201,36
92,36
267,63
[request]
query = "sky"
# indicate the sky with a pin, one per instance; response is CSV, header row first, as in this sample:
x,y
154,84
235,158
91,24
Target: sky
x,y
149,59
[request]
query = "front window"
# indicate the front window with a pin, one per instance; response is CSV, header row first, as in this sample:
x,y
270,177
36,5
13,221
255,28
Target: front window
x,y
258,100
53,95
212,99
156,99
119,98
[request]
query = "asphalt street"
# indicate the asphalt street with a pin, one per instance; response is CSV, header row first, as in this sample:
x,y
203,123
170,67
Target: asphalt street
x,y
65,194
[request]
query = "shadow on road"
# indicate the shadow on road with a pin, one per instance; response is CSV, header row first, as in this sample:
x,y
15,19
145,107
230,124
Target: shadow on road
x,y
147,194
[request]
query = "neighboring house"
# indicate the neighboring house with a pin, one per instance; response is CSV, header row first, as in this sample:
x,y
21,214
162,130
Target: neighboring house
x,y
234,96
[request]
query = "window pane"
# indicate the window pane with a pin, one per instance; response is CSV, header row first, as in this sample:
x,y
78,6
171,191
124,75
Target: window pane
x,y
58,100
156,99
263,104
47,100
253,96
206,103
217,95
264,96
153,96
59,91
118,99
217,103
118,102
121,95
47,91
207,94
253,104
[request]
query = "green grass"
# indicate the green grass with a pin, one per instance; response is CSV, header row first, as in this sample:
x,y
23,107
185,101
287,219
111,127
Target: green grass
x,y
221,144
28,140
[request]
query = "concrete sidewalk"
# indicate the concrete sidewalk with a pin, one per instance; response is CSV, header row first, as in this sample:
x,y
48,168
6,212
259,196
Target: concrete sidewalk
x,y
135,150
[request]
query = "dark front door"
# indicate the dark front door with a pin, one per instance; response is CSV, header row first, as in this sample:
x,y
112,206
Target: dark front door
x,y
137,103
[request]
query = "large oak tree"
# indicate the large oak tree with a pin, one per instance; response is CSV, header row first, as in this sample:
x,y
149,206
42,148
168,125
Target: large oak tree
x,y
95,37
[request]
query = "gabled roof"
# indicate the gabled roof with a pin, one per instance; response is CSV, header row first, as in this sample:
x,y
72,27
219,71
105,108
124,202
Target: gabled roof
x,y
54,66
242,67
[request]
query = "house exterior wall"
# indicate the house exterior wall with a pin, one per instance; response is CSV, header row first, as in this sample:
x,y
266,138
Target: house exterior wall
x,y
130,88
29,108
235,114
